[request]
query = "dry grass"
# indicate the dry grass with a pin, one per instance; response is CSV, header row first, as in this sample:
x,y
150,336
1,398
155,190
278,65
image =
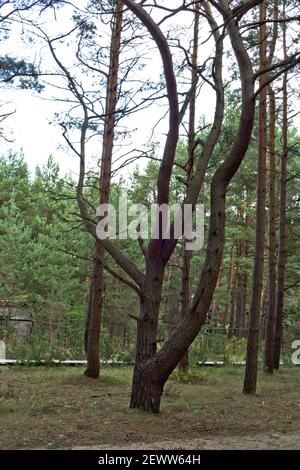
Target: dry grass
x,y
60,408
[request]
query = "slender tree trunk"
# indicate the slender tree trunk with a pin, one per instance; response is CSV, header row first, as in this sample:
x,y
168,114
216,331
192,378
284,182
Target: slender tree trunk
x,y
253,332
93,324
170,304
282,220
241,293
185,282
87,321
238,290
185,300
269,337
263,318
231,331
244,291
214,305
229,286
271,304
241,305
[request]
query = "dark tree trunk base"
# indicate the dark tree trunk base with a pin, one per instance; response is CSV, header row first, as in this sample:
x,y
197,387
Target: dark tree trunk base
x,y
92,374
183,365
249,392
145,394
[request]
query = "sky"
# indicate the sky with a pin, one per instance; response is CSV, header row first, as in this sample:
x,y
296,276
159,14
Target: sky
x,y
35,135
32,129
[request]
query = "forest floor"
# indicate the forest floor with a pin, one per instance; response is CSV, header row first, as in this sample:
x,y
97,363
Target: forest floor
x,y
59,408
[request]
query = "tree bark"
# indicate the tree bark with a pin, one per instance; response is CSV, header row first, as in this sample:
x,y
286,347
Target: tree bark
x,y
282,218
146,345
270,325
253,331
187,255
241,305
270,318
213,310
231,330
229,286
241,293
94,314
263,318
151,375
183,364
93,323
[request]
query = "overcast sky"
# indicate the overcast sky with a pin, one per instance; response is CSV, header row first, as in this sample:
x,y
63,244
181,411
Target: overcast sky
x,y
31,129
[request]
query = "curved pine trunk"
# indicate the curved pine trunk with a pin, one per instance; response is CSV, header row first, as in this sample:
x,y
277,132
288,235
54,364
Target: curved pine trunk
x,y
151,374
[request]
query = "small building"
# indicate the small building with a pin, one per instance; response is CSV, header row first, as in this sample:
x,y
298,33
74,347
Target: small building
x,y
2,350
14,320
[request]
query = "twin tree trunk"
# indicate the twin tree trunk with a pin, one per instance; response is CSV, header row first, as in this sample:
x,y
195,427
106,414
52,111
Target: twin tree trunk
x,y
95,304
152,367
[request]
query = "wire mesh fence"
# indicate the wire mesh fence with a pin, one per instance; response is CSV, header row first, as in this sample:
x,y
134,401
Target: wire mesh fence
x,y
48,340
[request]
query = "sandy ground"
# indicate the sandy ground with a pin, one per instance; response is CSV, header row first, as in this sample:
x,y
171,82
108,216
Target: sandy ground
x,y
256,441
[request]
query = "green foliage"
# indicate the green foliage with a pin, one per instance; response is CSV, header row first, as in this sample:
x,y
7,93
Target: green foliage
x,y
13,69
236,349
112,349
190,376
45,253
